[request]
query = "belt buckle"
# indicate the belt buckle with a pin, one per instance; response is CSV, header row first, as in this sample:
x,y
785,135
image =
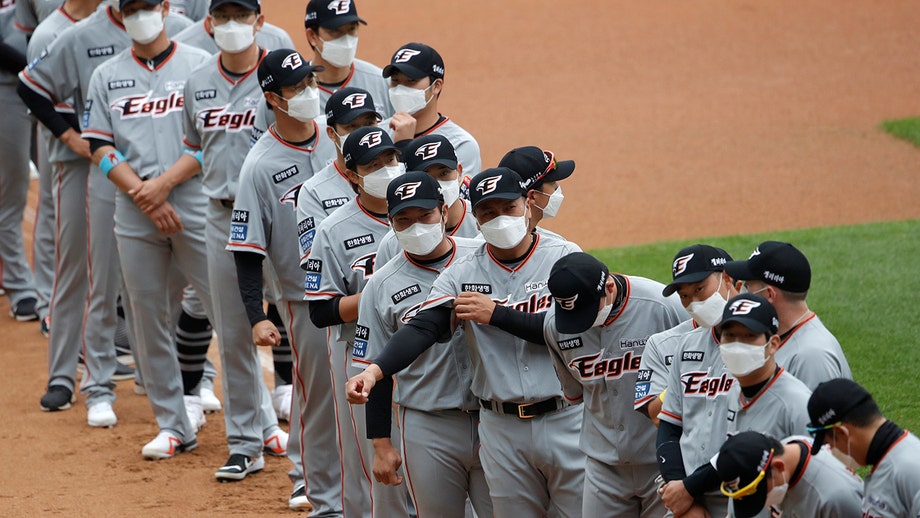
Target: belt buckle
x,y
521,412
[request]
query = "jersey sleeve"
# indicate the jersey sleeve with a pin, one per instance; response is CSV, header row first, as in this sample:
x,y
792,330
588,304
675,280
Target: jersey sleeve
x,y
53,74
247,223
97,119
25,18
191,138
653,372
373,328
308,215
443,291
672,407
325,278
264,117
571,387
388,248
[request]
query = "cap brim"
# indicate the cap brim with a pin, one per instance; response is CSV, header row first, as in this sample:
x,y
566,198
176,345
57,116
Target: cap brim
x,y
246,4
750,323
298,75
751,505
338,21
563,170
739,270
424,165
818,441
410,71
371,155
579,319
426,204
689,278
498,196
354,114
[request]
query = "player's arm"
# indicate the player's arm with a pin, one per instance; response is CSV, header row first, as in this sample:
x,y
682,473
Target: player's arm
x,y
152,193
334,311
11,60
378,414
479,308
249,282
62,126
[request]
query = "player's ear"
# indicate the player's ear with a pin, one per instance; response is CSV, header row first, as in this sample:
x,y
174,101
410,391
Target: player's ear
x,y
312,37
436,87
165,8
773,344
260,20
331,134
208,26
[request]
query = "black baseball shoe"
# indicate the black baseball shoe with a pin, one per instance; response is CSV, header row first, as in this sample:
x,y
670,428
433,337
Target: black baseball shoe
x,y
58,397
24,310
238,466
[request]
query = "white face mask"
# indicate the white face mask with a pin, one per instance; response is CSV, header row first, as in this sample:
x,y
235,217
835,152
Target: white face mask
x,y
742,359
777,494
376,183
304,106
340,52
504,231
408,99
553,204
234,36
602,315
708,313
450,189
420,238
341,141
144,26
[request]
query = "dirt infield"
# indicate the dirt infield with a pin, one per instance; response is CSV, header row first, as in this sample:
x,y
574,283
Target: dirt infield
x,y
685,119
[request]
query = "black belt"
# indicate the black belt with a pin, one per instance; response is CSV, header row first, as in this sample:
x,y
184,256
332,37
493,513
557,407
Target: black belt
x,y
526,411
227,204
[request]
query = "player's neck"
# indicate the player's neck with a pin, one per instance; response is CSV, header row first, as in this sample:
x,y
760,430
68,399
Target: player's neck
x,y
79,9
427,117
455,214
153,49
292,130
508,254
372,204
760,375
241,62
331,75
791,315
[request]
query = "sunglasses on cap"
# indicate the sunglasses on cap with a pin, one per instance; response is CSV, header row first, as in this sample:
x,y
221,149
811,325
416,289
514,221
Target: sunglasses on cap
x,y
751,488
813,430
552,161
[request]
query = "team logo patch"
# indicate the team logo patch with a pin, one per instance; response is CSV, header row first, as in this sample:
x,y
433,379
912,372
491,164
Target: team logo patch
x,y
700,384
355,242
755,252
290,196
404,293
692,356
731,416
240,216
138,106
487,185
407,190
567,303
775,277
356,100
669,359
121,83
365,264
535,303
292,61
100,52
572,343
404,55
372,139
285,174
340,6
201,95
411,312
221,119
743,307
476,288
428,151
680,264
333,203
593,366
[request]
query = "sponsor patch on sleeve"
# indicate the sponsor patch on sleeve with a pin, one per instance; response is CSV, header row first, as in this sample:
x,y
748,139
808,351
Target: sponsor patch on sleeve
x,y
306,241
312,281
731,415
669,359
644,375
477,288
360,348
642,389
240,216
238,232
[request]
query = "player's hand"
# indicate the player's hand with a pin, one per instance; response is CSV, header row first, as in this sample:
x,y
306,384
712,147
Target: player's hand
x,y
150,194
266,334
76,143
358,387
475,307
166,219
676,498
403,126
386,462
696,511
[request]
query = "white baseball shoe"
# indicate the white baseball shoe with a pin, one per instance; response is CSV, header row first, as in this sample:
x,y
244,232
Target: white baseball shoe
x,y
281,401
194,411
166,445
276,443
101,415
209,401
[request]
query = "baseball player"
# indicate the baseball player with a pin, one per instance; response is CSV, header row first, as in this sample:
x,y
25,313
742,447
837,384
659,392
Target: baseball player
x,y
434,154
331,29
261,226
781,273
596,330
438,414
341,261
135,103
693,419
201,35
220,101
63,72
757,471
416,75
845,417
652,380
528,428
542,174
14,172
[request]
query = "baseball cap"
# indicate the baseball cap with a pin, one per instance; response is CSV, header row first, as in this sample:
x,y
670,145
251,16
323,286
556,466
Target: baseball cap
x,y
496,182
536,165
331,14
413,189
429,150
753,312
830,403
695,263
742,463
348,104
775,263
283,67
577,283
364,144
416,60
252,5
123,3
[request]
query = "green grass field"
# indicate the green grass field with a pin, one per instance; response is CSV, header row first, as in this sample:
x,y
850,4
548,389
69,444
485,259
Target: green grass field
x,y
865,286
907,129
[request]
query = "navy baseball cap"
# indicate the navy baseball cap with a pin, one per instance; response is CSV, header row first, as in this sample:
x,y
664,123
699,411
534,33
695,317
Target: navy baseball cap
x,y
252,5
497,182
829,405
753,312
364,144
416,60
577,283
123,3
283,67
413,189
695,263
536,165
331,14
429,150
742,464
775,263
348,104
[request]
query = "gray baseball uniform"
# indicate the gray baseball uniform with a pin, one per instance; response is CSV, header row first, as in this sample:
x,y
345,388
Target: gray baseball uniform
x,y
262,222
320,196
218,114
812,354
192,9
63,72
138,109
779,409
270,37
619,442
698,386
893,486
824,488
439,414
30,13
341,262
466,228
652,379
465,146
363,75
533,466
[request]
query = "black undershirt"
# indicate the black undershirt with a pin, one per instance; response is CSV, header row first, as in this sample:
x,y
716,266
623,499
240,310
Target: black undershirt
x,y
752,390
884,438
441,119
800,466
249,282
159,59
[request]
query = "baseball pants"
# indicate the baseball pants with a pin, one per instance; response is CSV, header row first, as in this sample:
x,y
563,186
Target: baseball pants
x,y
621,490
716,505
43,235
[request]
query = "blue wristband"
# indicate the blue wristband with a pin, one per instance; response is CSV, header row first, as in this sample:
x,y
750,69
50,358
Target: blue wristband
x,y
110,160
194,154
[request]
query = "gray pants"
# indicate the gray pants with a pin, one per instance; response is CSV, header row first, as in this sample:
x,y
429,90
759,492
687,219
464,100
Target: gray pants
x,y
621,490
43,237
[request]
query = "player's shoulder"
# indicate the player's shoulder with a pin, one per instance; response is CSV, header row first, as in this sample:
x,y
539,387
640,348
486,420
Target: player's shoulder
x,y
467,245
192,52
455,133
549,245
645,288
191,33
673,334
350,210
367,68
176,22
122,61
